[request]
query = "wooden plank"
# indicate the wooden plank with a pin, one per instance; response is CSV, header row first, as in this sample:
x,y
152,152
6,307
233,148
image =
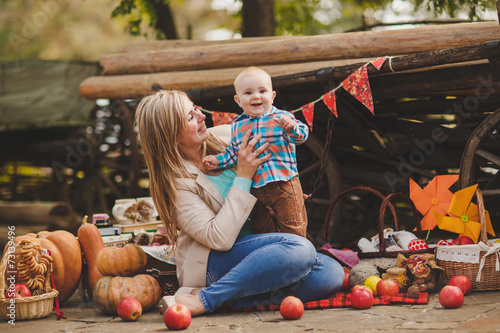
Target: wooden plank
x,y
457,81
212,82
138,85
399,84
159,45
303,49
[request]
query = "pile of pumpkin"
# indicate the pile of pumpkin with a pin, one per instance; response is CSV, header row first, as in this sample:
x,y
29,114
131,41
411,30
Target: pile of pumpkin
x,y
113,272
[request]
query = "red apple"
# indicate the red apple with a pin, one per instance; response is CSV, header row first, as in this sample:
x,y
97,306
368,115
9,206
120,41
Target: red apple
x,y
362,286
463,240
177,317
387,287
462,282
362,297
291,308
18,290
129,309
451,297
345,284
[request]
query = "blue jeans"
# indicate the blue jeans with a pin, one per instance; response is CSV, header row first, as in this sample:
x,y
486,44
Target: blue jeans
x,y
263,269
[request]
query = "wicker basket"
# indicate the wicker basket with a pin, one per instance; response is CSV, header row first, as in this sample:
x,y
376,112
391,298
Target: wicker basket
x,y
332,219
392,254
479,262
386,202
25,308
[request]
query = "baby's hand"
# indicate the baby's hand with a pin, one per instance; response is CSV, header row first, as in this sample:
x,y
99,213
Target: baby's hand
x,y
211,162
285,122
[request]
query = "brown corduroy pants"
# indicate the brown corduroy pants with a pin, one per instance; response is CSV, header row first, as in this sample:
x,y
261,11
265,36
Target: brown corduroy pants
x,y
287,201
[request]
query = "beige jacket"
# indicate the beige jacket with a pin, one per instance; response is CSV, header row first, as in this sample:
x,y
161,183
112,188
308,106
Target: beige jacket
x,y
202,228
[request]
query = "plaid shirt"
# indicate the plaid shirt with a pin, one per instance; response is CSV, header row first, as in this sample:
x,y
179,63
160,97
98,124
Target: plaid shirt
x,y
283,163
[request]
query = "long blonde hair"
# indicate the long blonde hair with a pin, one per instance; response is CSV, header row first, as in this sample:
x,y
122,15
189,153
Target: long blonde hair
x,y
161,119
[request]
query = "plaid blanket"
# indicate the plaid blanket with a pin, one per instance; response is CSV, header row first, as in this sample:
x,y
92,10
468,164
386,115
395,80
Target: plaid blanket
x,y
341,300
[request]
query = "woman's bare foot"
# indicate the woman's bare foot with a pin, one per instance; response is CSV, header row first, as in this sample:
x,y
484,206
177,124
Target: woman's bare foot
x,y
193,303
195,291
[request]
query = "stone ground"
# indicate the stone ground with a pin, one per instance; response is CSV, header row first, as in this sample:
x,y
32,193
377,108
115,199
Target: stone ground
x,y
479,313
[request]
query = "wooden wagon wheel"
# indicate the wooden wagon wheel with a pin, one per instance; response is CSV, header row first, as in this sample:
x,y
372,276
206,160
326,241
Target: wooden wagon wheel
x,y
112,168
309,158
481,162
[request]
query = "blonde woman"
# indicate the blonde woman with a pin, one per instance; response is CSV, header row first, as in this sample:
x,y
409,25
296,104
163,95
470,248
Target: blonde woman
x,y
219,262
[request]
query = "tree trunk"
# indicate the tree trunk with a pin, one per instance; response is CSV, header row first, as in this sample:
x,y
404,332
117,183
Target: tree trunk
x,y
165,20
258,18
498,9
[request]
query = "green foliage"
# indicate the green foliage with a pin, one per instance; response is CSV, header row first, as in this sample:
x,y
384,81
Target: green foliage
x,y
130,9
451,7
301,17
439,7
138,11
296,17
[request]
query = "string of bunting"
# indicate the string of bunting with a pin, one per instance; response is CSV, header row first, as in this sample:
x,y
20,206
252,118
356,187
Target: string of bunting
x,y
356,84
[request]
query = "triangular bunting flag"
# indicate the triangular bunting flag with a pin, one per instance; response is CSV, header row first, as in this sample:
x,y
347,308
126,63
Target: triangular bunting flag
x,y
329,100
222,118
357,85
308,112
377,63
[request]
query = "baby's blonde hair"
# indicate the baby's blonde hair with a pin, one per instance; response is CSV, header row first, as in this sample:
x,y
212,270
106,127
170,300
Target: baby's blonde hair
x,y
250,71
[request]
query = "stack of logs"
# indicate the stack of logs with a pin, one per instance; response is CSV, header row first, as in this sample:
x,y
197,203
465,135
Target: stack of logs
x,y
189,65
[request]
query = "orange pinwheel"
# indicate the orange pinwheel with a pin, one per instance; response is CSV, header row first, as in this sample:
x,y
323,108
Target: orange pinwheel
x,y
435,196
463,216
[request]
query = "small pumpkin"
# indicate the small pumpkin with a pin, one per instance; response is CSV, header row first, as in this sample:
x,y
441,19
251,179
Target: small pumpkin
x,y
121,261
67,254
110,290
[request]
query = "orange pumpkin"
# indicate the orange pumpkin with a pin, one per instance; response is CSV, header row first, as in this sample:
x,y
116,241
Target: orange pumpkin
x,y
110,290
91,242
121,261
67,254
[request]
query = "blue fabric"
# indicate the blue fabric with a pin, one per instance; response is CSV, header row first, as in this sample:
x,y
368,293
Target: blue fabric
x,y
263,269
244,183
223,183
282,165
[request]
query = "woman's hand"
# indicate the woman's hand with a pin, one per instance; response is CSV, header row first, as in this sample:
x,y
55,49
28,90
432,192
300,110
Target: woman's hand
x,y
248,160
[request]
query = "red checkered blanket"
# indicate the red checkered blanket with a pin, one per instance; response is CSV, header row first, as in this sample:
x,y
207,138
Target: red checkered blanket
x,y
341,300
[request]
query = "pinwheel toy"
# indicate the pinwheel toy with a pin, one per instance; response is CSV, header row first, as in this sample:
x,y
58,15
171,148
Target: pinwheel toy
x,y
435,196
463,216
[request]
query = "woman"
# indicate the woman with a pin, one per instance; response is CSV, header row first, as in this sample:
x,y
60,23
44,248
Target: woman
x,y
218,260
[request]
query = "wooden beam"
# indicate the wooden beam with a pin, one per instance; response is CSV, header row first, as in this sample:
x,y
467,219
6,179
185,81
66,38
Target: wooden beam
x,y
302,49
399,65
217,82
159,45
138,85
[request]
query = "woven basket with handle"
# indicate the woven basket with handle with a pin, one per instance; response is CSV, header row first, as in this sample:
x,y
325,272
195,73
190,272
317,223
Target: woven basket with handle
x,y
479,262
24,308
386,202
